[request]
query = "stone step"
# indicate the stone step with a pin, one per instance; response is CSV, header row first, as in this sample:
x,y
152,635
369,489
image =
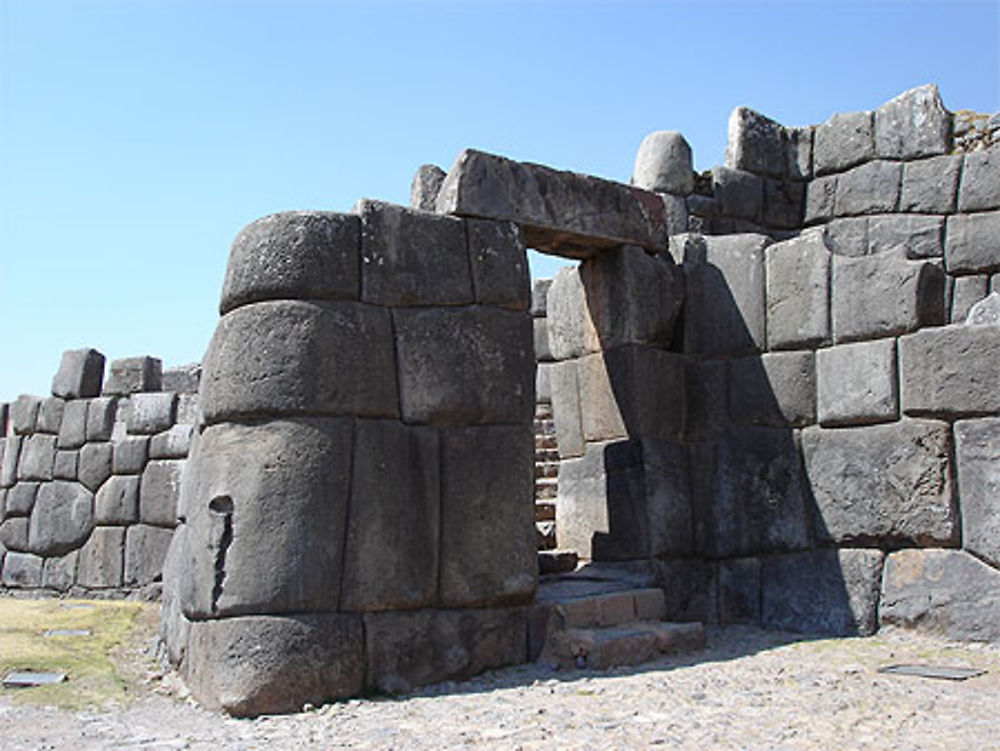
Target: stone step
x,y
546,469
545,426
547,443
613,646
545,511
546,488
547,455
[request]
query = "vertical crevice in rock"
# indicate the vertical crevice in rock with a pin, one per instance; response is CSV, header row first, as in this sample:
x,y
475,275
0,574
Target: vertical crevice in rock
x,y
221,511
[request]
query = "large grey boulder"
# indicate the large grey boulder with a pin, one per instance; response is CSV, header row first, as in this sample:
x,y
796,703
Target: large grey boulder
x,y
560,212
886,484
971,244
977,453
130,375
426,185
80,374
912,125
663,164
61,519
117,501
756,143
151,413
944,592
22,570
857,383
292,357
846,139
798,292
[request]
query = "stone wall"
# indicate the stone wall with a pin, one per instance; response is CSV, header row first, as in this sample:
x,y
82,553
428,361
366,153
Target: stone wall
x,y
91,474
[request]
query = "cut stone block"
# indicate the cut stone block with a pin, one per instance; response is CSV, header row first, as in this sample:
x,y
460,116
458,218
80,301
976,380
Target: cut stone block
x,y
101,418
724,302
677,212
846,139
784,203
930,185
182,379
543,383
870,188
950,371
391,558
499,264
60,574
798,280
832,592
11,456
977,450
799,152
571,329
912,125
884,295
171,444
485,510
980,188
129,455
539,297
24,414
159,491
80,374
663,164
821,194
50,413
292,357
943,592
298,255
266,509
560,212
847,236
566,408
14,533
740,194
425,187
455,644
541,339
22,570
971,244
130,375
465,365
886,484
151,413
986,312
117,501
94,465
73,430
188,409
919,236
777,388
145,552
739,590
38,456
750,494
968,290
706,413
62,518
857,383
756,143
625,500
21,499
412,257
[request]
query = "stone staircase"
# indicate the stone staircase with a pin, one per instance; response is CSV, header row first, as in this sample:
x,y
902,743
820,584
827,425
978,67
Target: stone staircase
x,y
546,476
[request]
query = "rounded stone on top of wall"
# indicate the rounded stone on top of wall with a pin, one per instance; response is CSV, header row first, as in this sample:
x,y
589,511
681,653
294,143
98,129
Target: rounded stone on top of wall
x,y
80,374
912,125
294,255
663,163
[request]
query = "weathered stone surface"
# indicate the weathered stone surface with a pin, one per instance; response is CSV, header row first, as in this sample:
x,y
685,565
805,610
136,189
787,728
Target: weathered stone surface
x,y
566,408
571,329
270,664
465,365
784,203
145,552
724,302
38,456
843,141
291,357
980,187
847,236
73,430
543,383
151,413
487,504
663,164
21,499
740,194
631,392
541,339
986,312
968,290
189,409
100,418
756,143
560,212
60,573
676,209
883,295
625,500
799,152
425,187
539,297
80,374
739,590
632,297
750,494
412,258
11,456
857,383
117,501
455,644
94,465
159,491
24,414
705,414
944,592
173,443
912,125
499,264
129,455
50,413
182,379
61,519
870,188
266,509
950,371
65,465
294,256
798,281
14,533
393,520
977,453
971,244
919,236
930,185
889,484
130,375
821,193
22,570
823,591
777,388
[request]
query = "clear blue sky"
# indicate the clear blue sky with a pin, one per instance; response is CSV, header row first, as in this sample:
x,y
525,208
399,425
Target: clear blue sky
x,y
138,136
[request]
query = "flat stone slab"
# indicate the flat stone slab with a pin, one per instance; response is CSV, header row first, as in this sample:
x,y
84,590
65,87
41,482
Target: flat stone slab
x,y
562,213
942,672
28,679
71,632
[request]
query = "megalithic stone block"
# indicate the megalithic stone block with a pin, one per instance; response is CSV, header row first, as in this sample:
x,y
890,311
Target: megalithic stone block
x,y
857,383
977,454
846,139
912,125
80,374
971,244
296,255
131,375
756,143
499,264
145,552
930,185
61,519
564,213
570,326
425,187
980,188
798,292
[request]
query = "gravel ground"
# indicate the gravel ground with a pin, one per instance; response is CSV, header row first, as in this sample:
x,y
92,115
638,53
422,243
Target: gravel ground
x,y
751,689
